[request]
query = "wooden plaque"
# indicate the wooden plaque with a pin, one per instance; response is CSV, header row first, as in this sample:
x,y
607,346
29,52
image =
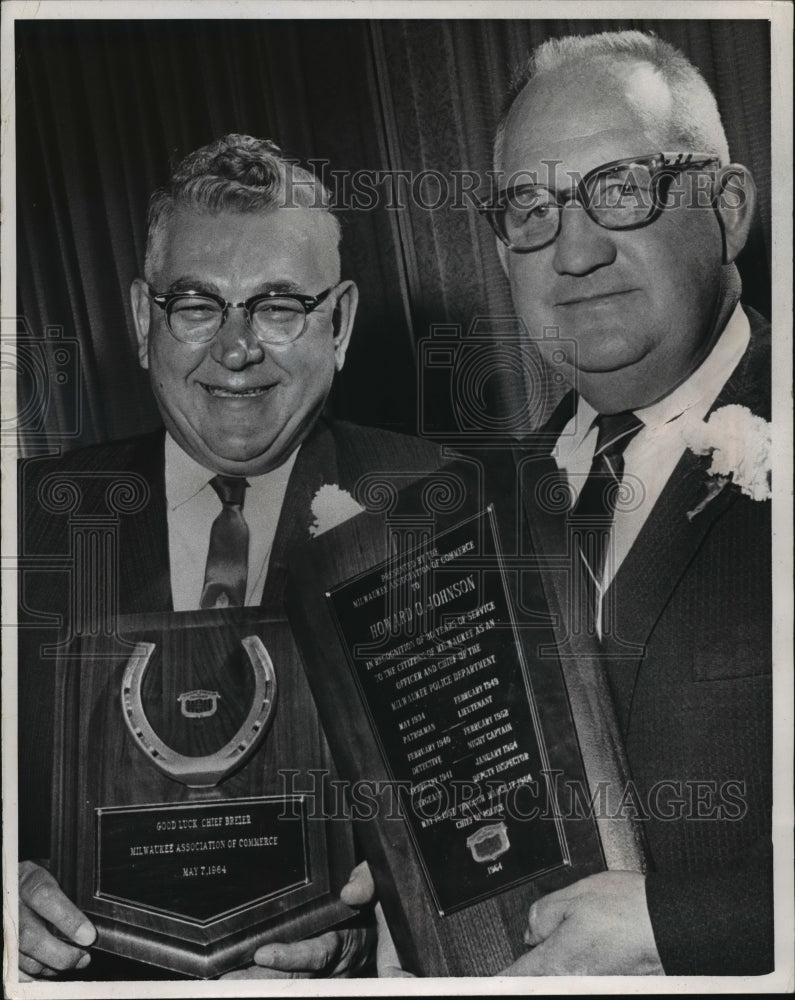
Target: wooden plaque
x,y
191,782
455,720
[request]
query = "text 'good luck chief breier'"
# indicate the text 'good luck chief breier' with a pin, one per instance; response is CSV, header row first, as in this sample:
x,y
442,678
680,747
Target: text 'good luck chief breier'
x,y
242,321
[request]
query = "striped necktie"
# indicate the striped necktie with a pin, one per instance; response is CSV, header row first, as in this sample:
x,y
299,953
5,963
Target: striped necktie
x,y
227,558
592,515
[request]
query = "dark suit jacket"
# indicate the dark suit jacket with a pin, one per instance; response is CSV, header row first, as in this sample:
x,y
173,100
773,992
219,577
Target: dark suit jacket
x,y
334,453
688,663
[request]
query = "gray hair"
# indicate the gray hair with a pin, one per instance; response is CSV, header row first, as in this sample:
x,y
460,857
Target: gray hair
x,y
236,173
693,123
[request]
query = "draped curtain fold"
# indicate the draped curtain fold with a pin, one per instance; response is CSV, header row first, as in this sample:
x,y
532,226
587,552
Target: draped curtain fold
x,y
104,106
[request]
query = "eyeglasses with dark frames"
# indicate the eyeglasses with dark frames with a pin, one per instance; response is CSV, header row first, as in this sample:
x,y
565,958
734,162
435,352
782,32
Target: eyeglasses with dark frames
x,y
624,194
275,318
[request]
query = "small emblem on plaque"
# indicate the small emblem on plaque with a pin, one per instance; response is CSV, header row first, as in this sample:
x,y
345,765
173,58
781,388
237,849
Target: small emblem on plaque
x,y
489,842
198,704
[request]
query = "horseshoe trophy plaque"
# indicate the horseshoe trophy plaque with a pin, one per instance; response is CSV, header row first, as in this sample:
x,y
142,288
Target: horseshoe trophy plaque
x,y
191,791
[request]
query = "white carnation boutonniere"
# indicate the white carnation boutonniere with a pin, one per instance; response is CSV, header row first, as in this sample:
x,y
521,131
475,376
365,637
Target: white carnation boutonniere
x,y
739,443
332,506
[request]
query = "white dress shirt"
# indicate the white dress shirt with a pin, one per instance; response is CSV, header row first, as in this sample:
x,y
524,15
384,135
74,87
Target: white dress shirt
x,y
651,456
192,507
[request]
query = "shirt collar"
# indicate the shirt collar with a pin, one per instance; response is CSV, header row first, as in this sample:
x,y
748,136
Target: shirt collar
x,y
185,477
701,389
697,393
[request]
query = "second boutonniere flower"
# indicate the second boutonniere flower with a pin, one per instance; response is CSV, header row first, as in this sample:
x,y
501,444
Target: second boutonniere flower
x,y
739,445
331,506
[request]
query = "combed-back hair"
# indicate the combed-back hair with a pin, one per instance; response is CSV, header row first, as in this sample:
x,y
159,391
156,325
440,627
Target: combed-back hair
x,y
693,123
236,173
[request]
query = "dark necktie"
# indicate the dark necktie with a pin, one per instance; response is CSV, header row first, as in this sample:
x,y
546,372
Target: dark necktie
x,y
227,558
592,515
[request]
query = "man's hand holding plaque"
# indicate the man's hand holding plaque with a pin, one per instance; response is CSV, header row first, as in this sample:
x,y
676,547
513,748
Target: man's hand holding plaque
x,y
598,926
53,933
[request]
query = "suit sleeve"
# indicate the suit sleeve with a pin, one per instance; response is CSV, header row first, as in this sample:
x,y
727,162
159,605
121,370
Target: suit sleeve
x,y
715,922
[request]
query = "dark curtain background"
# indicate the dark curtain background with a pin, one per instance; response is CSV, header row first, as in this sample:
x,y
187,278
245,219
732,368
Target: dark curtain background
x,y
104,107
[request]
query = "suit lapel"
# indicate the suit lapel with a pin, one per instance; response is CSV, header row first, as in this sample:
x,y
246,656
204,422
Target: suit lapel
x,y
144,576
542,488
669,540
544,500
315,466
665,546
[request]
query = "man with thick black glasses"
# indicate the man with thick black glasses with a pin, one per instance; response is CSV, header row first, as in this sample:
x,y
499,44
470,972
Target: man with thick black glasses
x,y
619,218
242,320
